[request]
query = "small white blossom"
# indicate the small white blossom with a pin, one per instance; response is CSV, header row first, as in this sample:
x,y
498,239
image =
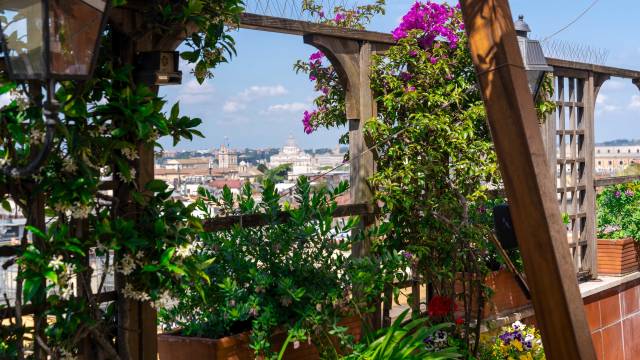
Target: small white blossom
x,y
296,344
3,161
140,255
81,211
127,265
130,293
68,165
37,137
66,355
184,251
517,325
56,263
130,153
60,207
166,301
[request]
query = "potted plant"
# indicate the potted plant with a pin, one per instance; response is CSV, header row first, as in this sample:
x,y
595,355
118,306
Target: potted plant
x,y
618,229
280,290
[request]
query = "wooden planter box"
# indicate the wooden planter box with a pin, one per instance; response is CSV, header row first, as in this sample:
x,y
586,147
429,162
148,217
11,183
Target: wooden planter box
x,y
617,257
236,347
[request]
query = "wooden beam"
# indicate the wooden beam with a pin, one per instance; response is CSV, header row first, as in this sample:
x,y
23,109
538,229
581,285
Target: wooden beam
x,y
615,180
528,182
601,69
255,220
297,27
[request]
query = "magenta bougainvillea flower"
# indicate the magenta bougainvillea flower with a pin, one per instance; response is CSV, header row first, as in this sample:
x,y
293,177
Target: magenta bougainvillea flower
x,y
340,17
306,121
316,56
437,21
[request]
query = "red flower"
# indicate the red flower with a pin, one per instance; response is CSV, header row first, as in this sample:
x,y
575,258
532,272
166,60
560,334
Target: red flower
x,y
459,321
441,305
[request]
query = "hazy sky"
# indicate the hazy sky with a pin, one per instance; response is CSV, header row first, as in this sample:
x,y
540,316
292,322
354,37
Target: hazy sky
x,y
257,100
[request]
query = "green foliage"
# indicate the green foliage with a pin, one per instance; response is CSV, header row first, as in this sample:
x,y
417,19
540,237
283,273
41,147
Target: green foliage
x,y
106,125
206,22
618,212
294,274
435,158
404,342
275,175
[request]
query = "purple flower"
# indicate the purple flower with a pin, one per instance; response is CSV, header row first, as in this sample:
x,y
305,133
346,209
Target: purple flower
x,y
306,121
321,14
433,60
449,77
407,255
436,21
410,88
628,192
312,77
325,90
340,17
413,53
316,56
405,76
618,194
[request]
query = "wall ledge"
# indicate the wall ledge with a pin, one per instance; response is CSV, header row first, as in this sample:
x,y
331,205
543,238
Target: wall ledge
x,y
596,288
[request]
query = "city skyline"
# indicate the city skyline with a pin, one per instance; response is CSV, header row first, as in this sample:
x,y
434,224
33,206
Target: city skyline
x,y
257,99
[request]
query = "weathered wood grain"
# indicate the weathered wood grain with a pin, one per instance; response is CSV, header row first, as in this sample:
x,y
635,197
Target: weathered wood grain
x,y
528,183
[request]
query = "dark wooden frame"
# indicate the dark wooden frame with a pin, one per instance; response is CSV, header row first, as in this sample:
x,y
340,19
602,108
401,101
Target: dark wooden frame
x,y
550,273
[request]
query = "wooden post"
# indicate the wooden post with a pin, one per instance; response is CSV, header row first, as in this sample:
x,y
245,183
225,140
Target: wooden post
x,y
137,327
532,196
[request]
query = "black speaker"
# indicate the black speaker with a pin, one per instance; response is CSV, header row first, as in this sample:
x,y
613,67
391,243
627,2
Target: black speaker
x,y
504,227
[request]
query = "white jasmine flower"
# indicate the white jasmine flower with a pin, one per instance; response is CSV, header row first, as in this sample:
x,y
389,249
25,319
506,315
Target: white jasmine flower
x,y
184,251
81,211
166,301
129,153
68,165
56,263
127,265
37,137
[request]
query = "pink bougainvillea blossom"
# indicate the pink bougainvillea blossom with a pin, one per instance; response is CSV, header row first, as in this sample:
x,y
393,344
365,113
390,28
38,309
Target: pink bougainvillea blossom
x,y
340,17
306,121
437,21
316,56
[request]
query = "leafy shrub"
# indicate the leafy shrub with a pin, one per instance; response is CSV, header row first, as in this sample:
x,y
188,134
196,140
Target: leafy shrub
x,y
294,274
619,212
407,342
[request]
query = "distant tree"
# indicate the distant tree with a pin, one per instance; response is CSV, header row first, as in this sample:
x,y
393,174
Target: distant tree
x,y
277,174
631,169
262,168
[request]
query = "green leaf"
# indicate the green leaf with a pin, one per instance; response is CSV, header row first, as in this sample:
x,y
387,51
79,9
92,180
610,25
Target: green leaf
x,y
167,255
156,186
51,275
6,205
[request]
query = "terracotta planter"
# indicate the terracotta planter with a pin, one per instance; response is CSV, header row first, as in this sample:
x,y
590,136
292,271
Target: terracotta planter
x,y
173,347
617,257
507,294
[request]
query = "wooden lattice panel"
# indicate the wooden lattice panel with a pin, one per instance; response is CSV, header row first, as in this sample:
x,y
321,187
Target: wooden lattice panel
x,y
571,154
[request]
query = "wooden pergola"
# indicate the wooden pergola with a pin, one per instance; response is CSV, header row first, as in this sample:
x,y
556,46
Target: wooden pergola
x,y
527,156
